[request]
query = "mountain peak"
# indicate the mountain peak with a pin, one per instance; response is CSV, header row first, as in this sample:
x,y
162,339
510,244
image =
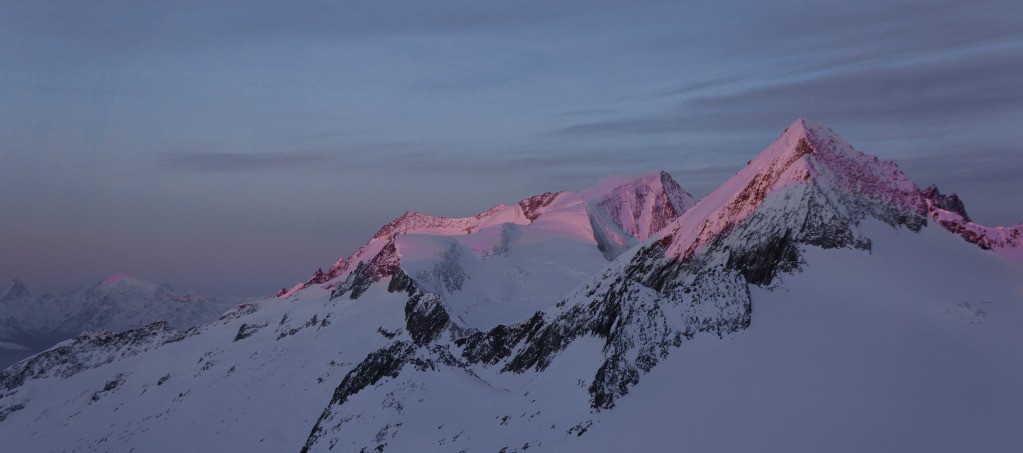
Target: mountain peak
x,y
950,202
804,137
117,278
613,214
809,152
809,168
16,291
123,282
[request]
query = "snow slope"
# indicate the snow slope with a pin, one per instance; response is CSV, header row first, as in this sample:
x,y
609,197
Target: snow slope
x,y
811,303
118,303
911,347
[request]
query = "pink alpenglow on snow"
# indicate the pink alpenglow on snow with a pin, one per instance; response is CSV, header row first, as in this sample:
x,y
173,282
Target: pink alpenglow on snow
x,y
610,216
116,278
808,161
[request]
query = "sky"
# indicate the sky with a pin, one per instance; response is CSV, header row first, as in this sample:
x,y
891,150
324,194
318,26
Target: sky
x,y
233,147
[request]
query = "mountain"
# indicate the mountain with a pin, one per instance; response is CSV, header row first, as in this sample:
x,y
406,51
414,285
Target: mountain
x,y
818,300
16,291
509,261
31,324
613,214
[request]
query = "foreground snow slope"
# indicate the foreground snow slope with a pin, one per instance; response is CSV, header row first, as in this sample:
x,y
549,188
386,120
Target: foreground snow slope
x,y
811,303
912,347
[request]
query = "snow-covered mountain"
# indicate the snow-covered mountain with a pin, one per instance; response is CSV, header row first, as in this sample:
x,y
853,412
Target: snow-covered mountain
x,y
818,300
511,260
30,324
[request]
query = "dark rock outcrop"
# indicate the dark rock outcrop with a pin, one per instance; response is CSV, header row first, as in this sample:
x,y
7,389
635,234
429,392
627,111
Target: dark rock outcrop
x,y
950,202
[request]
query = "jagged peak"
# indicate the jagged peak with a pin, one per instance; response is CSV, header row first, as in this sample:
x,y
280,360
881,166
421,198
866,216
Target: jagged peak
x,y
950,202
807,157
17,290
804,140
811,152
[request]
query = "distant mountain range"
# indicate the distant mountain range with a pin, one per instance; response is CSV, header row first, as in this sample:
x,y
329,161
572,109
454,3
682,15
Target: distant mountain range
x,y
818,300
30,324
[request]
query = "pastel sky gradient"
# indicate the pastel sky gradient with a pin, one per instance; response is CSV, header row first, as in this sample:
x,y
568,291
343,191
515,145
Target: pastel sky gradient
x,y
232,147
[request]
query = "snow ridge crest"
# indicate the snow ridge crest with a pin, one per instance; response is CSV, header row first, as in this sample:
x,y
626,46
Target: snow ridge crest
x,y
621,211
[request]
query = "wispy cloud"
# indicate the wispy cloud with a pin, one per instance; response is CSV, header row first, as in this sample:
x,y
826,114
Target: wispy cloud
x,y
984,84
242,162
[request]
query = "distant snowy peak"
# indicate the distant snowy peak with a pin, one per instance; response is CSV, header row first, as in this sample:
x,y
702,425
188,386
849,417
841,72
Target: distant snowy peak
x,y
116,303
634,211
17,290
646,204
614,215
119,278
132,285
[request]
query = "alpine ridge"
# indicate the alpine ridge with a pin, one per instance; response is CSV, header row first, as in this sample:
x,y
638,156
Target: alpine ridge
x,y
620,211
817,300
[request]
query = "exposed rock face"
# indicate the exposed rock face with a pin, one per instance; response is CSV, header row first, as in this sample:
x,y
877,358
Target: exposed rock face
x,y
89,350
533,206
987,238
385,363
382,265
950,212
950,202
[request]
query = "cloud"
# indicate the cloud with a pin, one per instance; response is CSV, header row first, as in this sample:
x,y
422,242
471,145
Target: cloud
x,y
133,27
985,84
242,162
969,165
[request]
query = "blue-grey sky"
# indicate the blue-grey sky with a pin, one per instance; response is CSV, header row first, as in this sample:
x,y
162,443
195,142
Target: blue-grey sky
x,y
232,147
